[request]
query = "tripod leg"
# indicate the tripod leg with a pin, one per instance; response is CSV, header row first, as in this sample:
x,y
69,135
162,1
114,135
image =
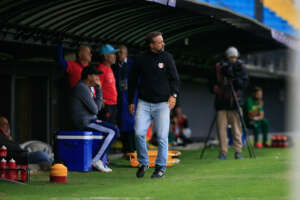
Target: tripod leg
x,y
208,136
249,146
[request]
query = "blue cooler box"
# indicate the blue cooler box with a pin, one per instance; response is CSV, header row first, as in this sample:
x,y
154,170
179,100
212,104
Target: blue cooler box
x,y
75,149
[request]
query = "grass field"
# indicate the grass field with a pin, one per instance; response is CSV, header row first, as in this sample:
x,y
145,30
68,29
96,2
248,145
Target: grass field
x,y
266,178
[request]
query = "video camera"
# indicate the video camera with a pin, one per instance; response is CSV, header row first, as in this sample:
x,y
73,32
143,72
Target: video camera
x,y
232,69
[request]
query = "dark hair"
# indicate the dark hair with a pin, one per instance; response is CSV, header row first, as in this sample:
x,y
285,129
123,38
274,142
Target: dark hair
x,y
256,89
151,35
91,69
84,76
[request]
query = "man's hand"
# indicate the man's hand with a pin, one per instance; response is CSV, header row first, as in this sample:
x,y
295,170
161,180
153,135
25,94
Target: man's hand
x,y
131,109
98,84
216,89
172,102
260,103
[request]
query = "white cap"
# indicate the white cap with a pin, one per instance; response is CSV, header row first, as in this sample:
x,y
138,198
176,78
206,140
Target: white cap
x,y
3,147
232,52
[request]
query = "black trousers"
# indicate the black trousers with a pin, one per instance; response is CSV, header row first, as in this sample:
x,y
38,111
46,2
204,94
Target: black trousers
x,y
109,113
128,141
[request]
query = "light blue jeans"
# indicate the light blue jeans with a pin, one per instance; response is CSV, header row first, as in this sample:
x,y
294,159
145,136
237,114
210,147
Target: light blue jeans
x,y
145,113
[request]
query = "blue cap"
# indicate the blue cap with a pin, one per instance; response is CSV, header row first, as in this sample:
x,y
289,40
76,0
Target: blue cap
x,y
107,48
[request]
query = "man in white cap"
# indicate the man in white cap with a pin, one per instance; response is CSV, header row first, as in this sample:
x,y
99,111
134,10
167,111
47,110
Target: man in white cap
x,y
227,73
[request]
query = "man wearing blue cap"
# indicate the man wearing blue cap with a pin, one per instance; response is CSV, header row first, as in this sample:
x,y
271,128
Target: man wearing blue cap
x,y
155,76
108,81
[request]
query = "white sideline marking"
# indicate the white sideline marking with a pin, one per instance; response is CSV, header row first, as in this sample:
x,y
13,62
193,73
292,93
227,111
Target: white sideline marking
x,y
102,198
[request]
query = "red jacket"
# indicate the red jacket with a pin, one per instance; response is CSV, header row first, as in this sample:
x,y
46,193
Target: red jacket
x,y
74,70
108,82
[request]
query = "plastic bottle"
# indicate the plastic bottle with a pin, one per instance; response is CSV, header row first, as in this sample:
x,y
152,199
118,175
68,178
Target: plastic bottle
x,y
3,151
23,173
3,168
12,172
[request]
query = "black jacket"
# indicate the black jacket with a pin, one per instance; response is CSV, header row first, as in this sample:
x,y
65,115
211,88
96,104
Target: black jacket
x,y
155,76
13,150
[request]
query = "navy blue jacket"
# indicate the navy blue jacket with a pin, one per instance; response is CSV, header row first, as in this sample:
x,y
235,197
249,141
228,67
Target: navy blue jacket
x,y
155,76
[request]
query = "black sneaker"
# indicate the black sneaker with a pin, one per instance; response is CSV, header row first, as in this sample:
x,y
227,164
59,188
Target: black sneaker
x,y
141,171
238,156
158,173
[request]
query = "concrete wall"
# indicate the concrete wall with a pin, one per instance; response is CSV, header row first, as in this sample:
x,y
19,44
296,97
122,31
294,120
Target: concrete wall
x,y
197,103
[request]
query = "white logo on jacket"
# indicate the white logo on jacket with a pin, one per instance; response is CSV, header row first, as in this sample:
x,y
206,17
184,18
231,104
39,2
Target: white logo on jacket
x,y
161,65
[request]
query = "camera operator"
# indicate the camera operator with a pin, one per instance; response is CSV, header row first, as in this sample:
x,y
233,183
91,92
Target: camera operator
x,y
232,71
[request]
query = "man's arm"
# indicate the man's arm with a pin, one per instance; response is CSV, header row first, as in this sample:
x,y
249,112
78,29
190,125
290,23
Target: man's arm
x,y
98,99
173,81
258,113
10,145
212,77
61,59
173,76
86,98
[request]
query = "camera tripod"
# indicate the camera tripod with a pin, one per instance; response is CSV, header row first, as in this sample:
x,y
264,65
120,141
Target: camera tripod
x,y
244,128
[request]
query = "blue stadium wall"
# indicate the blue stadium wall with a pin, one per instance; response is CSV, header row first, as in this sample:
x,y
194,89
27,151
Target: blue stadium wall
x,y
247,8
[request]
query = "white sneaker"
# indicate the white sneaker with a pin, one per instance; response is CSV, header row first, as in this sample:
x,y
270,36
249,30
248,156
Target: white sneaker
x,y
100,167
108,169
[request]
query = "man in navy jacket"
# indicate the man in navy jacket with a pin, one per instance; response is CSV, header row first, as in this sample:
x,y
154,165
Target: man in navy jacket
x,y
155,76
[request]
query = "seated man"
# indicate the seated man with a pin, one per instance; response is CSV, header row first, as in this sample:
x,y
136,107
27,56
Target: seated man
x,y
15,151
84,108
181,125
254,113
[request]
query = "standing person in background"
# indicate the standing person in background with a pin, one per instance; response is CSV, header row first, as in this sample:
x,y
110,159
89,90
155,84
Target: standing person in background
x,y
155,76
232,71
255,117
125,120
74,68
108,81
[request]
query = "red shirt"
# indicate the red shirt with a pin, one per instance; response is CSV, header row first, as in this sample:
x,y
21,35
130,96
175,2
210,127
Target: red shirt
x,y
74,70
108,82
4,133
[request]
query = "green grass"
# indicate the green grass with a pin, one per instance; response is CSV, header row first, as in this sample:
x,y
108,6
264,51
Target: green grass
x,y
266,178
